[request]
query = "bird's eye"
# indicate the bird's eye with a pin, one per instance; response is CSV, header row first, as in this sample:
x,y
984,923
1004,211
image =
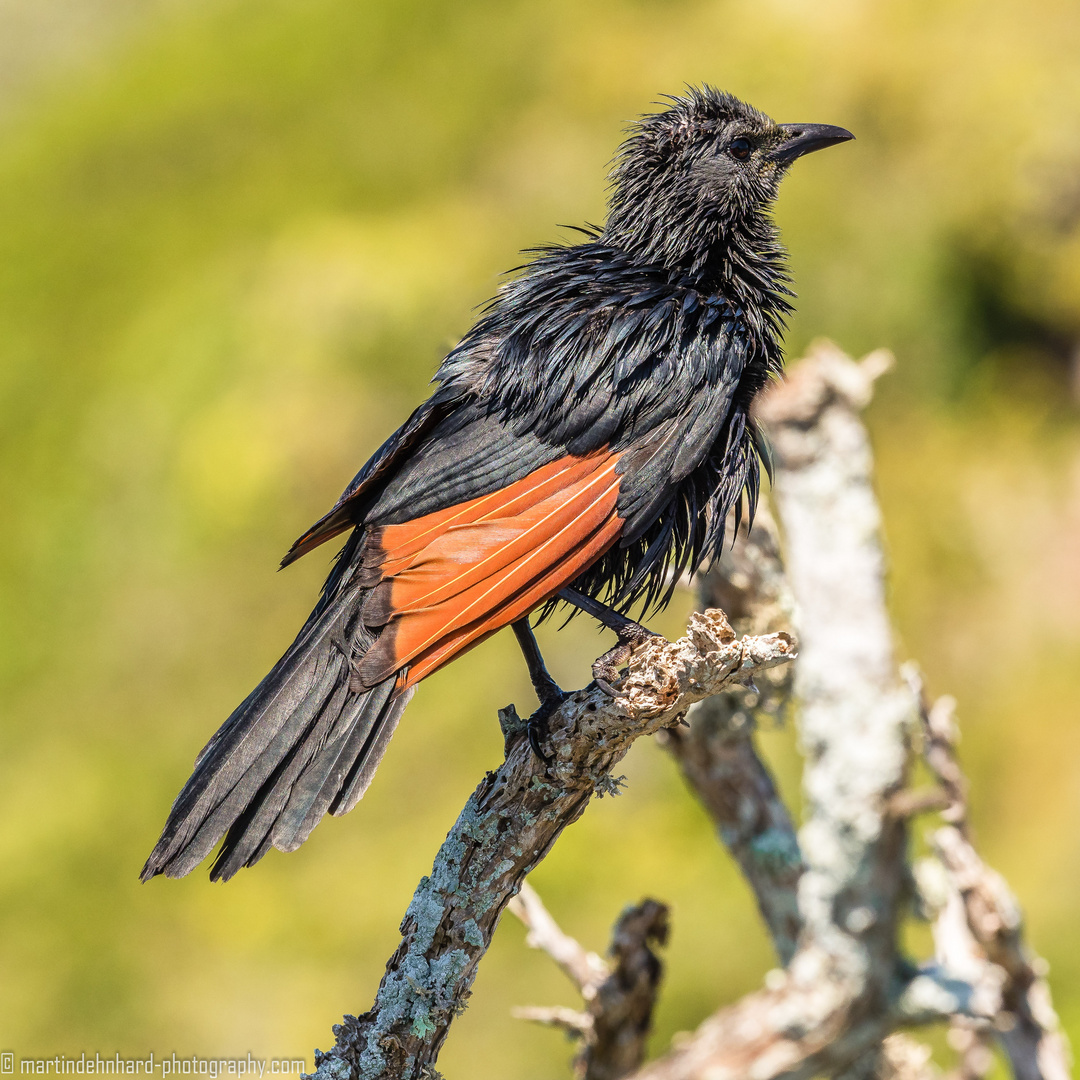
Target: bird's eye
x,y
739,149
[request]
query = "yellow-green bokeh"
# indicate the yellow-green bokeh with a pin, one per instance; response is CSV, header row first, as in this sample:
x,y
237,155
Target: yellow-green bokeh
x,y
232,249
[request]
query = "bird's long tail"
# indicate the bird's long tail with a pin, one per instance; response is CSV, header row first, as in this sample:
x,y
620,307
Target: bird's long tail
x,y
306,741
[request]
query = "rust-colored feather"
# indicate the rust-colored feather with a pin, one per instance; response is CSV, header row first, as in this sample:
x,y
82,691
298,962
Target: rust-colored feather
x,y
465,555
398,543
526,600
453,578
548,544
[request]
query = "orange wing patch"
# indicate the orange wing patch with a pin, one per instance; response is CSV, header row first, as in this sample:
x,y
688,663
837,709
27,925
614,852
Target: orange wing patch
x,y
452,578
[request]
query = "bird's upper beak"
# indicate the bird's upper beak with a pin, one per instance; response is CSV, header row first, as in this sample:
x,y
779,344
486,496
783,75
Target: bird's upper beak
x,y
802,139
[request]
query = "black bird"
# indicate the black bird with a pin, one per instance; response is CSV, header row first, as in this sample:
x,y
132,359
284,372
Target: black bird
x,y
586,441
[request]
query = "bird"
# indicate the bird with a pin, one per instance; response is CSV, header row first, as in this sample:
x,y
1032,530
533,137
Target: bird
x,y
584,444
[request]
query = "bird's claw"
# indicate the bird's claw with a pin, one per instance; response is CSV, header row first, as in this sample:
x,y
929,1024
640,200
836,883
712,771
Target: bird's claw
x,y
537,733
536,727
603,685
605,670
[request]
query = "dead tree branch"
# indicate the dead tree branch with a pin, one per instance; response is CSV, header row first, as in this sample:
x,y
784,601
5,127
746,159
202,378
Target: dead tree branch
x,y
841,992
619,995
832,896
847,987
978,922
509,824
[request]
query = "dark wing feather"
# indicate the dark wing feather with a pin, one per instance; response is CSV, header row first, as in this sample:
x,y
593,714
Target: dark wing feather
x,y
295,747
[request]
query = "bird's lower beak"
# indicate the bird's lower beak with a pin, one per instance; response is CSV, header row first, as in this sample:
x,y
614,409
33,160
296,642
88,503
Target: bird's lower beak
x,y
802,139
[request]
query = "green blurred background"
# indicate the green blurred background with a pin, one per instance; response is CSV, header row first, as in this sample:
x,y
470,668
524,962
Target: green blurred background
x,y
236,237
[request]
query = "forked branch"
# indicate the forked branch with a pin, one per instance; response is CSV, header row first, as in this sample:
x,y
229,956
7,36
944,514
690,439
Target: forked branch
x,y
619,993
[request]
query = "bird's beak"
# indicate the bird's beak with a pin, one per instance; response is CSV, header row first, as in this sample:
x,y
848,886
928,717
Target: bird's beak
x,y
802,139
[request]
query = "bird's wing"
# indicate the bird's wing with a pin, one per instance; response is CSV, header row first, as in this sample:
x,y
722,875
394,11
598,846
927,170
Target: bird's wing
x,y
445,580
468,525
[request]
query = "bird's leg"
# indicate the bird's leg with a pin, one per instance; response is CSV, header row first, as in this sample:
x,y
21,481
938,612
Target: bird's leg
x,y
547,689
606,669
545,686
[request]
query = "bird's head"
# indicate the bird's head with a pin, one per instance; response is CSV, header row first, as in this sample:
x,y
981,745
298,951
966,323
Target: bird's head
x,y
695,177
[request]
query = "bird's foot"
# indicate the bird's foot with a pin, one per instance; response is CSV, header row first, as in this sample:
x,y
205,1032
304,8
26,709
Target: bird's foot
x,y
605,670
631,634
548,691
536,727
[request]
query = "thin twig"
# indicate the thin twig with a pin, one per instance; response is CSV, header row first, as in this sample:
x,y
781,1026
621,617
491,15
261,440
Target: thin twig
x,y
585,969
979,925
619,995
573,1022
